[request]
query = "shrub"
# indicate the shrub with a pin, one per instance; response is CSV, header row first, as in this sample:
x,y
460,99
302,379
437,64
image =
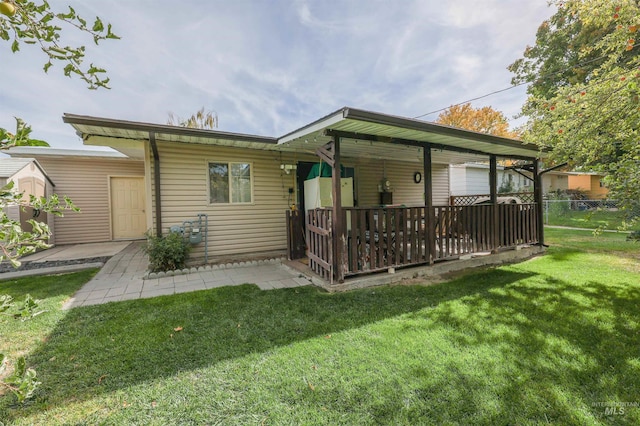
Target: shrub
x,y
167,253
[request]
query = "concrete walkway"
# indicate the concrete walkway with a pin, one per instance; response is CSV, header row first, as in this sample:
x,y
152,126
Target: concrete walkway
x,y
77,251
121,278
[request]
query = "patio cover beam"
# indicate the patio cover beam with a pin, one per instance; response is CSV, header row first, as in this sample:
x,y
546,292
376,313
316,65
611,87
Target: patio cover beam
x,y
409,142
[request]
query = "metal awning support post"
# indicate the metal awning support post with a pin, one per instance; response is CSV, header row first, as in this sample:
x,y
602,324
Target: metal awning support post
x,y
493,195
337,223
537,197
428,203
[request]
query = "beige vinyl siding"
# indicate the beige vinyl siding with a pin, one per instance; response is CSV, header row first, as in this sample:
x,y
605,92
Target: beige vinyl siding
x,y
86,182
259,227
369,175
234,229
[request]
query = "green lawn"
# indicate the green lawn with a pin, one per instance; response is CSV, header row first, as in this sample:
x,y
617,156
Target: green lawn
x,y
591,219
543,341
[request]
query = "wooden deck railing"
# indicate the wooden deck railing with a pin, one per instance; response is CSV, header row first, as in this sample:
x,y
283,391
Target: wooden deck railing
x,y
381,238
319,242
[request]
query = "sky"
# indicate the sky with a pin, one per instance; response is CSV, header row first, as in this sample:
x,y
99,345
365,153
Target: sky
x,y
269,67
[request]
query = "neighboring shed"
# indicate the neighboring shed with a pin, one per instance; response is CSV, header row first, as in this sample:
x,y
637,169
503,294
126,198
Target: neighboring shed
x,y
107,186
29,178
27,175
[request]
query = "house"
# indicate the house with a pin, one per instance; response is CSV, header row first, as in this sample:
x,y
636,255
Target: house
x,y
590,183
473,179
108,187
230,192
28,178
555,181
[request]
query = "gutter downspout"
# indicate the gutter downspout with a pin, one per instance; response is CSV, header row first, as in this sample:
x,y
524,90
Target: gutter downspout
x,y
156,182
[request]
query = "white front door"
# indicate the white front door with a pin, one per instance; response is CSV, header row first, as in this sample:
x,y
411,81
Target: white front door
x,y
128,218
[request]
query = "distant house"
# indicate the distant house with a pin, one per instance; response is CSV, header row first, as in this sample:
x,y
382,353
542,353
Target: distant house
x,y
555,181
29,178
588,182
473,179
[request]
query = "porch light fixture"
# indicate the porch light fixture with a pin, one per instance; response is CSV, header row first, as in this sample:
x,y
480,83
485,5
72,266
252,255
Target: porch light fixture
x,y
288,167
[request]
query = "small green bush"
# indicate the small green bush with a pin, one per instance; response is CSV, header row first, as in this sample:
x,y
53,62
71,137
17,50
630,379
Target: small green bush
x,y
167,253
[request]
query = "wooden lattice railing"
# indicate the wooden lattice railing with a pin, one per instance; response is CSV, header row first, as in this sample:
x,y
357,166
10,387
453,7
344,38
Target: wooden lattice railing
x,y
468,200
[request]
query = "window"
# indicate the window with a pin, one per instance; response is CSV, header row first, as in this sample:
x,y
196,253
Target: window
x,y
229,183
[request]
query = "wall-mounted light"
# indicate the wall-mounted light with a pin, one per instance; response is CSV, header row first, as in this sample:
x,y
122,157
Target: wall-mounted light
x,y
288,167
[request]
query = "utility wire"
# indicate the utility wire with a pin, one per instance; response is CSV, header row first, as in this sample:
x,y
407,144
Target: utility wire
x,y
517,85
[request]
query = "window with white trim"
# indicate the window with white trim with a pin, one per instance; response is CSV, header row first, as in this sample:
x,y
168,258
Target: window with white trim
x,y
230,183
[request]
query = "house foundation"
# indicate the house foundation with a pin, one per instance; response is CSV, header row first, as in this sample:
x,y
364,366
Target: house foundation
x,y
430,274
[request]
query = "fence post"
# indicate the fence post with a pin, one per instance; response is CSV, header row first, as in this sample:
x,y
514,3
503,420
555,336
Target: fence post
x,y
546,212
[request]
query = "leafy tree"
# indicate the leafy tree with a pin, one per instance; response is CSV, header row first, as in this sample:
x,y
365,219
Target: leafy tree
x,y
566,52
29,23
200,120
25,22
483,120
589,112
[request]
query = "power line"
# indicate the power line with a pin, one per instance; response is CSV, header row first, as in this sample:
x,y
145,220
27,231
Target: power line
x,y
474,99
518,85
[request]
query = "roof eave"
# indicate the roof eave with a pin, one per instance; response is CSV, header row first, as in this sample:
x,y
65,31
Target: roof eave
x,y
84,120
320,124
420,125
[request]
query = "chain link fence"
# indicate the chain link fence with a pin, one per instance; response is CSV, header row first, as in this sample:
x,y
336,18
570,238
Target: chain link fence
x,y
584,213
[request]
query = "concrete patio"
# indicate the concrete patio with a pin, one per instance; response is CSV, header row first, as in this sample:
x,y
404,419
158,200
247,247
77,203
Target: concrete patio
x,y
121,278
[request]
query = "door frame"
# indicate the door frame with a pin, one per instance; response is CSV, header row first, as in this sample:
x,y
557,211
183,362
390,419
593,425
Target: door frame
x,y
111,231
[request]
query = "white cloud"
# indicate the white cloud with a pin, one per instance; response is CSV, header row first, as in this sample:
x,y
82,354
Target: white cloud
x,y
269,67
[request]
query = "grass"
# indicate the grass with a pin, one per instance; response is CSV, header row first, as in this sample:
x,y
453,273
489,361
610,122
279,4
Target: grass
x,y
543,341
